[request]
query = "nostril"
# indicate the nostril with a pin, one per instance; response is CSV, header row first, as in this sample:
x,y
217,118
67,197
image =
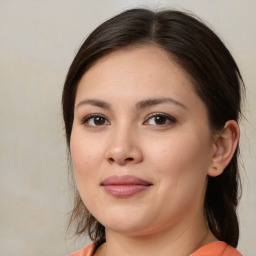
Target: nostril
x,y
111,160
120,160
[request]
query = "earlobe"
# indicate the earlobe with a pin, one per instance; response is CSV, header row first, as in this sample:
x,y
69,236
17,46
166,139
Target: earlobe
x,y
225,144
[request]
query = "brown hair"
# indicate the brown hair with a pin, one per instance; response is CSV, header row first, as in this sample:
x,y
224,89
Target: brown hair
x,y
216,78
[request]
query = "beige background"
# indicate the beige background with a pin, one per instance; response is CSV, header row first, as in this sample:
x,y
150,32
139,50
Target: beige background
x,y
38,40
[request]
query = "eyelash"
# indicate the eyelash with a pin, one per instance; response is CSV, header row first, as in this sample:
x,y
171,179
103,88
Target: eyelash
x,y
168,118
86,119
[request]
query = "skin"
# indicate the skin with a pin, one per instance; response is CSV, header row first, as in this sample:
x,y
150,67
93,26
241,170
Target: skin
x,y
175,154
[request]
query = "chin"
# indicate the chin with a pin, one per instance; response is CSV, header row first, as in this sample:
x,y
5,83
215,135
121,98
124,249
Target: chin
x,y
132,225
124,223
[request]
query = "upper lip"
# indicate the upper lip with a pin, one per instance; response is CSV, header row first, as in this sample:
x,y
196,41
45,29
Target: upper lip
x,y
124,180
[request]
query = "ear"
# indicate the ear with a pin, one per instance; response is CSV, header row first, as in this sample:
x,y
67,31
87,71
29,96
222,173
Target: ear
x,y
225,144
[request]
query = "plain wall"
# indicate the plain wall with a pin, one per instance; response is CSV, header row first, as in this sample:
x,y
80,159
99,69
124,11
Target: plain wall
x,y
38,40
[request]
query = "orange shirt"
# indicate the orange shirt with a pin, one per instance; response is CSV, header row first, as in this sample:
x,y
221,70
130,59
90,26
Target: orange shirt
x,y
213,249
217,249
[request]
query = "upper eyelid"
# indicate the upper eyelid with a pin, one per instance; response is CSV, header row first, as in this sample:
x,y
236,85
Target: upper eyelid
x,y
160,114
88,117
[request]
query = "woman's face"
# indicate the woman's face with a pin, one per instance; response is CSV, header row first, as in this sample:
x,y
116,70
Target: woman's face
x,y
141,144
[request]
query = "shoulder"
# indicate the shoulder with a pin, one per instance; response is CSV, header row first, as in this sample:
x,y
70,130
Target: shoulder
x,y
217,249
86,251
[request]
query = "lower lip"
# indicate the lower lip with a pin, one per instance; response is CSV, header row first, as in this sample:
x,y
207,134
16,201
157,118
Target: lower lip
x,y
125,190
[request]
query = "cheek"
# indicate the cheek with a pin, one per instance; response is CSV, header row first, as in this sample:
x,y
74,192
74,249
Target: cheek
x,y
181,167
85,157
182,158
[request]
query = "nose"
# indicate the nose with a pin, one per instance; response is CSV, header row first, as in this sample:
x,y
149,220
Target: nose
x,y
123,147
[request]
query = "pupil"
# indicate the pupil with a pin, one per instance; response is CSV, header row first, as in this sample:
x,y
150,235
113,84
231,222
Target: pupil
x,y
99,120
160,119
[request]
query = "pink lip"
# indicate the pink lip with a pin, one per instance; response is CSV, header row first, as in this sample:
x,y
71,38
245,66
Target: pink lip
x,y
124,186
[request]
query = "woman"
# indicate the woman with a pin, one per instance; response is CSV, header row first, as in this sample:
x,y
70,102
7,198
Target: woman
x,y
151,104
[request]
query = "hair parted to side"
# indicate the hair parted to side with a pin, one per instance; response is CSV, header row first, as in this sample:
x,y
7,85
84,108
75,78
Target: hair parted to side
x,y
216,79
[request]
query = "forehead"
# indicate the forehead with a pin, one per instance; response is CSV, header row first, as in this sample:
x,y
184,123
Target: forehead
x,y
147,67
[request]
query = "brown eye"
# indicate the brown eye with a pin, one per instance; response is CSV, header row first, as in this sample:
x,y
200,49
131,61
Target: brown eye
x,y
99,120
95,120
160,119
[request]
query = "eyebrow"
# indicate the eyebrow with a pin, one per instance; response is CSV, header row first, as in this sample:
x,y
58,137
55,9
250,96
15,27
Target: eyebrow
x,y
94,102
140,105
156,101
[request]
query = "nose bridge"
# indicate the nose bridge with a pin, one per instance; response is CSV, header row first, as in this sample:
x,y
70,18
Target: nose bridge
x,y
123,145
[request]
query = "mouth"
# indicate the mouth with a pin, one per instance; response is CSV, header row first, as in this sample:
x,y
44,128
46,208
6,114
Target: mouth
x,y
125,186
